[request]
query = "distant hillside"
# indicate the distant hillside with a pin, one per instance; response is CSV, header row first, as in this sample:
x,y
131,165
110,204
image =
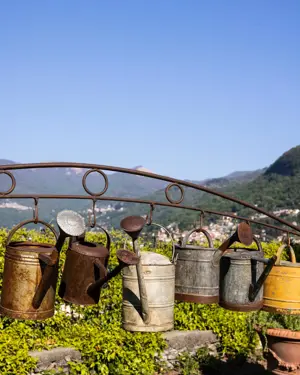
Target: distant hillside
x,y
273,188
287,165
166,215
68,181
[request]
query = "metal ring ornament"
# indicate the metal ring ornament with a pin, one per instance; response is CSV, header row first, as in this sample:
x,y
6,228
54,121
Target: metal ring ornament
x,y
13,183
167,193
105,181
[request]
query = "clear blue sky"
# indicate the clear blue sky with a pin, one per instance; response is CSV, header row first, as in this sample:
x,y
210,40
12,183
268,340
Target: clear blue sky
x,y
190,89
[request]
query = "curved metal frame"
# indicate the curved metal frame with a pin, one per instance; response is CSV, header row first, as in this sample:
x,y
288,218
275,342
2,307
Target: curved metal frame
x,y
6,169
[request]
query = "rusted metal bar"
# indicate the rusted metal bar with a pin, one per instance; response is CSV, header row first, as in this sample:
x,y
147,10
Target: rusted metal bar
x,y
144,201
173,182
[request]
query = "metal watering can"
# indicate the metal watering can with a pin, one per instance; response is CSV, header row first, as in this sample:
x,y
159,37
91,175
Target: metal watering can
x,y
31,270
196,277
149,287
282,287
242,274
85,270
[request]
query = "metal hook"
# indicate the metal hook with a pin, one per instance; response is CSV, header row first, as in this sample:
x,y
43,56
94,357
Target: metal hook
x,y
288,239
149,217
93,214
202,216
36,210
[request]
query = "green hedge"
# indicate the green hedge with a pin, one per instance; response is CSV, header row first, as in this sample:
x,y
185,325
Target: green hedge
x,y
105,347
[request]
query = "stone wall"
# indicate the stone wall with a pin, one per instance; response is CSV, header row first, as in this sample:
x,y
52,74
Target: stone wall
x,y
178,342
55,359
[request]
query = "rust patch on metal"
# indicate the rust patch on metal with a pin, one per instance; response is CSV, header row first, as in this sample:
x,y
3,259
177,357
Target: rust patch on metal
x,y
183,297
241,308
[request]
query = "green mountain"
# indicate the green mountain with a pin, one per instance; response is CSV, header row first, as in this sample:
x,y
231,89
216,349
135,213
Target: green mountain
x,y
273,188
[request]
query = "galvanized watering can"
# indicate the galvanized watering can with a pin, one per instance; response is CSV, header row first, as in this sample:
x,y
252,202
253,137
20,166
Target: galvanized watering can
x,y
282,287
242,274
196,276
31,270
148,287
85,270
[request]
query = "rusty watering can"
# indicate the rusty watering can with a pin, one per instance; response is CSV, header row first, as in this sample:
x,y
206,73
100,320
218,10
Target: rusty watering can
x,y
196,277
242,275
157,273
31,270
282,287
85,270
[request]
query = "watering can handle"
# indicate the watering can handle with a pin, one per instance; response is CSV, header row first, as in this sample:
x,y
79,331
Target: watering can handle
x,y
258,244
199,230
108,239
259,248
25,222
279,253
170,235
101,267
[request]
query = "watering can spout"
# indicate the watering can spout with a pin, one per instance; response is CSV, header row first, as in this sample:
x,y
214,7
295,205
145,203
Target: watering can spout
x,y
255,287
70,224
243,234
133,226
125,258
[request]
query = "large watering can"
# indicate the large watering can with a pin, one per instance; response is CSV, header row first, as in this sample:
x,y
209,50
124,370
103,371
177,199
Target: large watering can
x,y
149,287
282,287
196,277
31,270
242,275
85,270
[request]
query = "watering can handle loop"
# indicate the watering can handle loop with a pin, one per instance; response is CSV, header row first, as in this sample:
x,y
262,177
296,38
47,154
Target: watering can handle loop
x,y
173,260
101,267
108,239
198,230
259,248
258,244
279,253
25,222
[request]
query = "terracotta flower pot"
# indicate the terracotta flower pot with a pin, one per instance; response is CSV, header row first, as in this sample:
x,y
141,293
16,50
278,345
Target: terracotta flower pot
x,y
283,350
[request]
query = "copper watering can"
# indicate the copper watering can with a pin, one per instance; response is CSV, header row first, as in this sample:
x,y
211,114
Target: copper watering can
x,y
85,270
31,270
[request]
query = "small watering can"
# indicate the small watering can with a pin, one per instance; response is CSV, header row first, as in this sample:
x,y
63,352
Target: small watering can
x,y
282,287
31,270
85,270
149,287
196,277
242,274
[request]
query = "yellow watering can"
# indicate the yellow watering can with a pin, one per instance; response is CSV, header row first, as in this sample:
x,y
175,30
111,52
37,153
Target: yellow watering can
x,y
282,286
